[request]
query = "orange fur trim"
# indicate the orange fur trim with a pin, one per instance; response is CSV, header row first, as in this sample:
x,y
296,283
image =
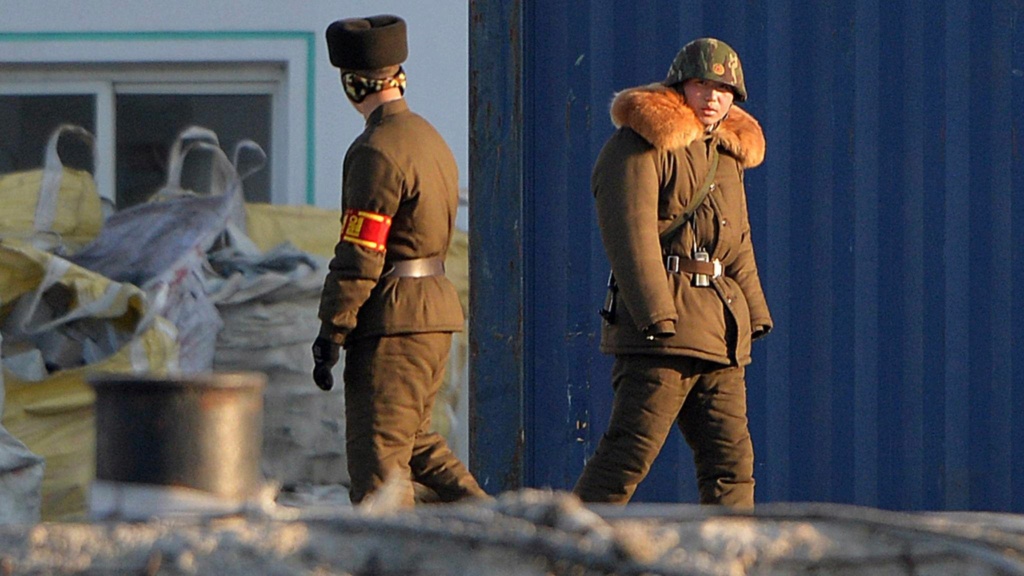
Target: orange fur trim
x,y
742,136
660,115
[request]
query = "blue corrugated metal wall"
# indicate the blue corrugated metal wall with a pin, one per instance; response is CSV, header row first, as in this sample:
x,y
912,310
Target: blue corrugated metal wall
x,y
884,219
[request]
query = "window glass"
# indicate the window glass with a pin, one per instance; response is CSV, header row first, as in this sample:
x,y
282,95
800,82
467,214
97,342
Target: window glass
x,y
26,122
147,125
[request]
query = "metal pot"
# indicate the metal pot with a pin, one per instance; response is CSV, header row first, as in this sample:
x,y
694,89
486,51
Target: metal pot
x,y
200,431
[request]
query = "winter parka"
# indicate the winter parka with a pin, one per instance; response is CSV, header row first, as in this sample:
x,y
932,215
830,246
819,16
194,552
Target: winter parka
x,y
645,176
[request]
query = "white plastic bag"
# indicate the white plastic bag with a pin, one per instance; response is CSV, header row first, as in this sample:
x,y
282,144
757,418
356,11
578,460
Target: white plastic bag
x,y
269,303
161,246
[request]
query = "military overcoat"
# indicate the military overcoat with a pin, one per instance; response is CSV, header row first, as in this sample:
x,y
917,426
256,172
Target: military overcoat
x,y
399,168
645,176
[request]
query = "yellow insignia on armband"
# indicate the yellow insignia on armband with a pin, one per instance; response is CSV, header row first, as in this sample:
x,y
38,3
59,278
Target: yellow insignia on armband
x,y
367,229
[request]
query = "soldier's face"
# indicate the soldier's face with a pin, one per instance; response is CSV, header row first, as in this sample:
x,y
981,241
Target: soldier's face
x,y
709,99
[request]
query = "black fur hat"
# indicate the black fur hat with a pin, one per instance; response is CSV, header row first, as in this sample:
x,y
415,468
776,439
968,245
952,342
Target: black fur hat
x,y
367,43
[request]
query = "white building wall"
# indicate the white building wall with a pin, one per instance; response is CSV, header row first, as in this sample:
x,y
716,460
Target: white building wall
x,y
437,66
75,32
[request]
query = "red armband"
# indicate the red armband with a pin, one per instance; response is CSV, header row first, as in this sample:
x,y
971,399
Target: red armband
x,y
367,229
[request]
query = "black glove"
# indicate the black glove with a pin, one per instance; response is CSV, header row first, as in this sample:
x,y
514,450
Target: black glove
x,y
325,356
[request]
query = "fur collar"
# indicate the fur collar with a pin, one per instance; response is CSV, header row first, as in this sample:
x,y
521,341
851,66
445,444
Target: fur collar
x,y
660,115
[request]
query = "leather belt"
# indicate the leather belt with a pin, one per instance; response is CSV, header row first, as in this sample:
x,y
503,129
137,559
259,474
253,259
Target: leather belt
x,y
415,268
677,264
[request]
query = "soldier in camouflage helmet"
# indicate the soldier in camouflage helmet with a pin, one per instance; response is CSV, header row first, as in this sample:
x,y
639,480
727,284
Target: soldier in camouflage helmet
x,y
686,301
708,59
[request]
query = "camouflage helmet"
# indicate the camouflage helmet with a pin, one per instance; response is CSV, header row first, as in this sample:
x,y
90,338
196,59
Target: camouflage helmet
x,y
708,59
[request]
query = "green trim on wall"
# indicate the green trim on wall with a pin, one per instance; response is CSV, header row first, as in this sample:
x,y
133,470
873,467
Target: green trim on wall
x,y
143,36
310,117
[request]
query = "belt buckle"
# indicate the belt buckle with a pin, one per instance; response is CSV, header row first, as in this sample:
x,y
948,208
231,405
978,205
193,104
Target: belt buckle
x,y
718,268
672,263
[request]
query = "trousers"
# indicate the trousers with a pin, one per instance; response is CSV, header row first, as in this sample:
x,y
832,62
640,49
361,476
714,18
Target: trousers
x,y
708,403
391,383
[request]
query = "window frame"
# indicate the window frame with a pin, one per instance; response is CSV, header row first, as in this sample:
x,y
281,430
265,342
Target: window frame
x,y
103,164
275,63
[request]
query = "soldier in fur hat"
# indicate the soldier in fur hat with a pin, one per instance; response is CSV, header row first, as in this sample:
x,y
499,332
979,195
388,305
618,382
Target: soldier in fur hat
x,y
386,299
686,301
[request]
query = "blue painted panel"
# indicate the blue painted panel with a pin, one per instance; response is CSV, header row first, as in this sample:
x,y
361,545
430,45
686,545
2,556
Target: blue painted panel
x,y
496,221
884,221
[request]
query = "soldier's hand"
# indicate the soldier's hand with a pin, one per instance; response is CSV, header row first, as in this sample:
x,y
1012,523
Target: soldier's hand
x,y
325,356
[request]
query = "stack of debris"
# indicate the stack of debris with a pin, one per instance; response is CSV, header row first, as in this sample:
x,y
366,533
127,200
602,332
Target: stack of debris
x,y
171,286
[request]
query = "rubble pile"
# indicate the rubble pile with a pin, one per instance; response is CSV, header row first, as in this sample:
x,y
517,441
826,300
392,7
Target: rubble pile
x,y
171,286
530,532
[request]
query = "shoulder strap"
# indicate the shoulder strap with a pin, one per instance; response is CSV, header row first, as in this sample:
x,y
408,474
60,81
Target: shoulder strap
x,y
698,199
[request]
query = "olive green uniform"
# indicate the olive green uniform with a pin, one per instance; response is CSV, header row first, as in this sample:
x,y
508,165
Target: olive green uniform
x,y
645,176
396,330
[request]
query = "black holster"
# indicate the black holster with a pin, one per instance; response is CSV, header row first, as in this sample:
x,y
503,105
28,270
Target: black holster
x,y
608,310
